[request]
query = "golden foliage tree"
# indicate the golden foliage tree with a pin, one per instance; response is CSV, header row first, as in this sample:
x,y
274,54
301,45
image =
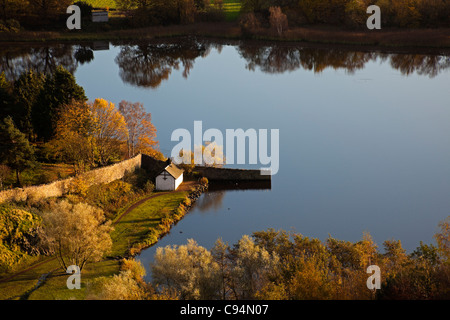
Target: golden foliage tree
x,y
141,131
188,269
443,239
11,8
109,129
76,233
49,8
278,20
73,140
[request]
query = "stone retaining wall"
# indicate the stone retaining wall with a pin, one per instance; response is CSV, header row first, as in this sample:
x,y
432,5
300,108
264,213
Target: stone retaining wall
x,y
60,187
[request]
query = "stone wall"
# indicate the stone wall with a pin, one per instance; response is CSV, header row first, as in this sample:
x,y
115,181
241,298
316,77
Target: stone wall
x,y
60,187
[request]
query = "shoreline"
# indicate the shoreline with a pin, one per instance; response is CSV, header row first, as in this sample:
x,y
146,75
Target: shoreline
x,y
326,35
166,224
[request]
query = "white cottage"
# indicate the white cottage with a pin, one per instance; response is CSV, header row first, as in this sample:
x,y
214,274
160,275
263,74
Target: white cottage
x,y
169,179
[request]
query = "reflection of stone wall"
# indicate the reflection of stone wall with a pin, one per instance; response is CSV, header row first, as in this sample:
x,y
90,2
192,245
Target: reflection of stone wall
x,y
60,187
228,174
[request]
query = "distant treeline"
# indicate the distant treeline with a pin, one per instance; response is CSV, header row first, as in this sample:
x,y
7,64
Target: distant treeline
x,y
350,13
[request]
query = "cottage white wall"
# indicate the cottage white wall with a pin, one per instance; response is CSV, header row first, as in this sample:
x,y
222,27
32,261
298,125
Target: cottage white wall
x,y
178,181
165,185
100,16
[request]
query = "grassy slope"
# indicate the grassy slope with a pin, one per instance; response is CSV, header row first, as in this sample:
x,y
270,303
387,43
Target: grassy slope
x,y
134,226
130,229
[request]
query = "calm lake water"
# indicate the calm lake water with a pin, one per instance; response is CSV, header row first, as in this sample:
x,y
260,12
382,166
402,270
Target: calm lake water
x,y
364,135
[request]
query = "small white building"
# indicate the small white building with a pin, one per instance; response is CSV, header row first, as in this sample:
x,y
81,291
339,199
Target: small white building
x,y
100,16
169,179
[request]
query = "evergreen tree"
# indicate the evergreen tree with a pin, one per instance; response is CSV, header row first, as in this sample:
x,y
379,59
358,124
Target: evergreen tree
x,y
6,97
26,91
59,89
15,149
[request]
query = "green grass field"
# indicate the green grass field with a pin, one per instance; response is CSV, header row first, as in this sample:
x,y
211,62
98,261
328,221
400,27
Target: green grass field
x,y
231,7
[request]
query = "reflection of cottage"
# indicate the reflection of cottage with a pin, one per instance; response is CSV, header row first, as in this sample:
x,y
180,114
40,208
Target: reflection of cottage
x,y
170,178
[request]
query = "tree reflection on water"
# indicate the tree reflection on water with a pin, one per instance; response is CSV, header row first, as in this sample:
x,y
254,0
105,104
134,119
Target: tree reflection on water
x,y
148,64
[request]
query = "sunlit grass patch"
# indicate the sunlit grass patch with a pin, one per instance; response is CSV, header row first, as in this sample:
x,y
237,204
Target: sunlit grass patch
x,y
136,224
232,9
111,4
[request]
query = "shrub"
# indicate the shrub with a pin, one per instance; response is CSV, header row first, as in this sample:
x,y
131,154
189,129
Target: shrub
x,y
211,14
10,25
18,234
278,20
204,181
249,24
47,177
78,186
355,12
187,202
149,187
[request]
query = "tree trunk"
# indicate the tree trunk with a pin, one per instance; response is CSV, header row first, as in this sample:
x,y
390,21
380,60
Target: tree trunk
x,y
18,178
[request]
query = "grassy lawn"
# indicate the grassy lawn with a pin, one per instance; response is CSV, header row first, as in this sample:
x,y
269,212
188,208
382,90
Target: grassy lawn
x,y
22,283
41,174
134,227
231,7
129,229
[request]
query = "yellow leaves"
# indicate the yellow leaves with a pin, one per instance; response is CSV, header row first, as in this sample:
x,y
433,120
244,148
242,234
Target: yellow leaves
x,y
141,131
15,226
108,122
109,128
98,132
77,232
443,238
78,186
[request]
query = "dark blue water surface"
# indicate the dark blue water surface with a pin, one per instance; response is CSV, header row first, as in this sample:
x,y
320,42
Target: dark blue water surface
x,y
364,136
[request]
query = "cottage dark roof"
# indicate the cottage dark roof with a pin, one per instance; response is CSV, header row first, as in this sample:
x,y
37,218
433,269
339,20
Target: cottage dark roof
x,y
174,171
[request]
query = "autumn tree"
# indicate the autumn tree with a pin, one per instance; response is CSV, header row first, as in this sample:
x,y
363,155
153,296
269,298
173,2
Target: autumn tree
x,y
278,20
15,149
209,155
188,269
76,233
141,131
443,239
251,266
73,140
187,10
109,130
220,255
127,285
49,8
249,23
355,11
9,9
